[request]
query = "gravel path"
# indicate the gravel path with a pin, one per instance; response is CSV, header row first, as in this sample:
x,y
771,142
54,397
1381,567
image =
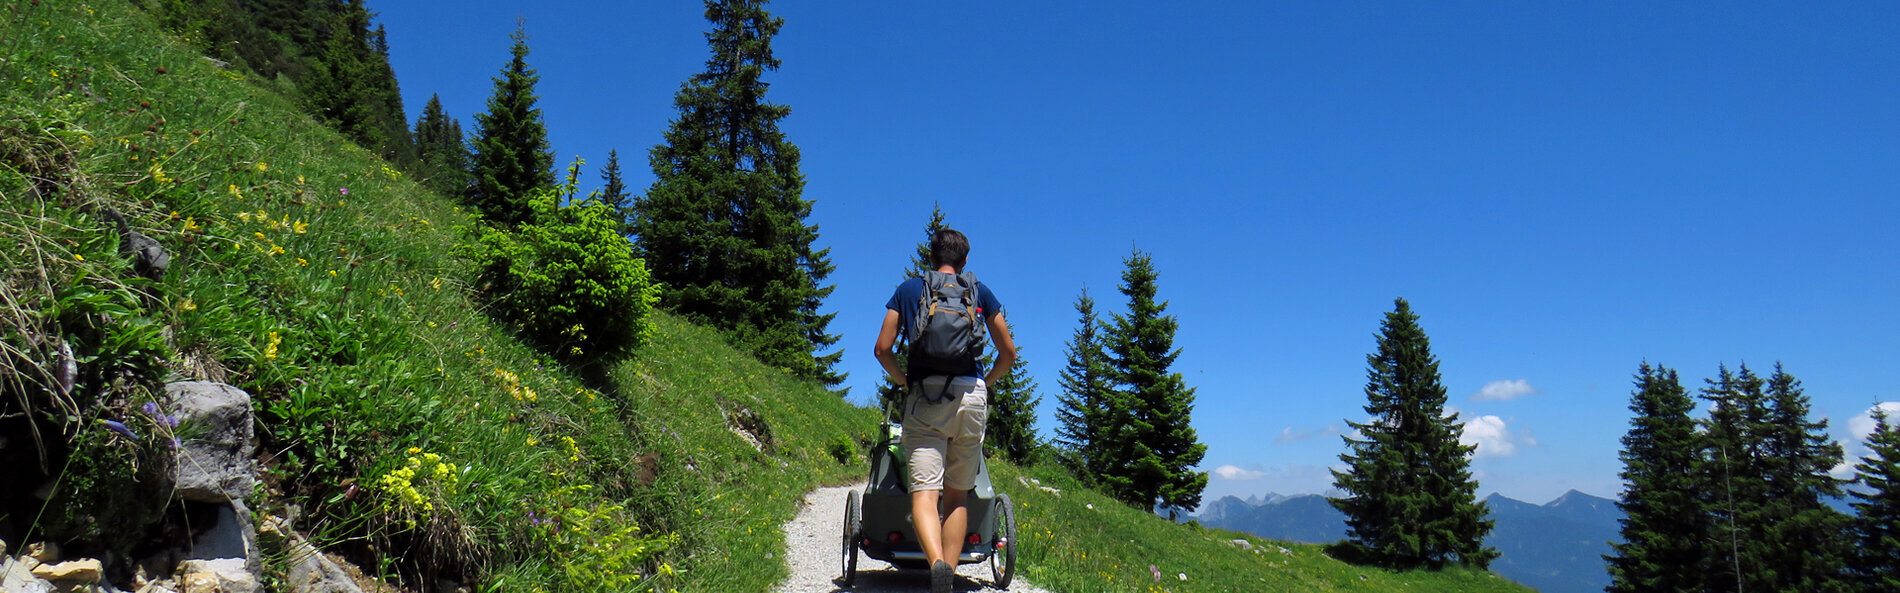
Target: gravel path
x,y
813,543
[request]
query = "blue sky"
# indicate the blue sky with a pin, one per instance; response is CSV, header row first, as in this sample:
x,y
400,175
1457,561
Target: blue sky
x,y
1561,190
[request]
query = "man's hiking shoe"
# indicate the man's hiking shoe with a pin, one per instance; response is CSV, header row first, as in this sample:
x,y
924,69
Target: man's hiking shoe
x,y
942,578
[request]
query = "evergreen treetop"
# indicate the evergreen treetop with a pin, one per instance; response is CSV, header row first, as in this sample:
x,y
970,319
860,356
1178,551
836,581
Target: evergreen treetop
x,y
511,152
442,157
1082,416
1874,564
1664,525
724,224
1410,496
1154,448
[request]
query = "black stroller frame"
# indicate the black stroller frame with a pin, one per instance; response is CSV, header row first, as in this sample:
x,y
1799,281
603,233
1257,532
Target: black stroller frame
x,y
877,520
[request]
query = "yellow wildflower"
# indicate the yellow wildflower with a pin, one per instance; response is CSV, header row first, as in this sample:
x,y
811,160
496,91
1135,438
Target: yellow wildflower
x,y
299,227
270,350
262,166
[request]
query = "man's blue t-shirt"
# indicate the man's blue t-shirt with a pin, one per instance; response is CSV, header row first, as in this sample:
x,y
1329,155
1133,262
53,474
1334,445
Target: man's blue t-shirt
x,y
910,295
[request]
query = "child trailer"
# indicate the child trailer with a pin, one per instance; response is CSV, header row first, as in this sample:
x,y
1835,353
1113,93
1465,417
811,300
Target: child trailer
x,y
877,520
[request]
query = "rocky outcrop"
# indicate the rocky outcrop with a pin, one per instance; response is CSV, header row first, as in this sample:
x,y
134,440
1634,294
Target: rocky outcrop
x,y
214,465
310,571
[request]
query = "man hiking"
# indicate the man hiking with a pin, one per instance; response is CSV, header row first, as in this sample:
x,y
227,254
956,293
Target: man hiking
x,y
943,316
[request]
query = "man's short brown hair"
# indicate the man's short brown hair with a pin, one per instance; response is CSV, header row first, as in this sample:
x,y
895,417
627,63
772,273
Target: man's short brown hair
x,y
949,248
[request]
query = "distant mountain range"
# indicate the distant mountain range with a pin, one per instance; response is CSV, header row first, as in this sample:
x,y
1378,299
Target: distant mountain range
x,y
1556,547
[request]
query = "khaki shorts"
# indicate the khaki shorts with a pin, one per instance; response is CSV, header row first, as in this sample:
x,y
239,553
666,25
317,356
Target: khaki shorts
x,y
945,440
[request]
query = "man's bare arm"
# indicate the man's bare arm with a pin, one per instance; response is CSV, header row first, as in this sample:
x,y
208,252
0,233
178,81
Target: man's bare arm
x,y
886,340
1005,348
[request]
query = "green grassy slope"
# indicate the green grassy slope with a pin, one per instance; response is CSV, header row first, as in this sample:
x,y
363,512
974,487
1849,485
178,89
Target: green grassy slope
x,y
332,289
1076,540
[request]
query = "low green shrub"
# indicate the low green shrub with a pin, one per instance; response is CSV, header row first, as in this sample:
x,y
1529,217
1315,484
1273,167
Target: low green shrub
x,y
568,281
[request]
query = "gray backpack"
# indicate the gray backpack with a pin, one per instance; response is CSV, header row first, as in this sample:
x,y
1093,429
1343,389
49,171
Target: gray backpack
x,y
946,337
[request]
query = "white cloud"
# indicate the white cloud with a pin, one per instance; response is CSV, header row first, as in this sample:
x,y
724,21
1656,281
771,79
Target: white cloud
x,y
1504,390
1289,435
1858,427
1231,472
1863,425
1492,436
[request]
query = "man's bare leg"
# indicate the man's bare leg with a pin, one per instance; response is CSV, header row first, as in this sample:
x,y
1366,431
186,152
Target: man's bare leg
x,y
956,523
928,523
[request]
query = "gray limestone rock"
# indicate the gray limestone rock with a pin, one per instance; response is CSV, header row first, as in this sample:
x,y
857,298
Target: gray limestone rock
x,y
214,465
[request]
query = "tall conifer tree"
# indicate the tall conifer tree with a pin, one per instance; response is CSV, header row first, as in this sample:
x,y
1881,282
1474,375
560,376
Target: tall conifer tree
x,y
1154,447
1805,551
1664,525
724,224
1082,414
351,85
511,153
1767,484
1875,562
1732,486
442,157
613,191
1410,496
1011,426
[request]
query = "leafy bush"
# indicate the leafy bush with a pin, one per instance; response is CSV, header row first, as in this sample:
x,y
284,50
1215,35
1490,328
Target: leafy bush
x,y
600,547
567,280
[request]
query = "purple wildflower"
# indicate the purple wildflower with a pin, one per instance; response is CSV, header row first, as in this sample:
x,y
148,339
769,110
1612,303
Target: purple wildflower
x,y
343,190
170,420
177,443
120,428
150,408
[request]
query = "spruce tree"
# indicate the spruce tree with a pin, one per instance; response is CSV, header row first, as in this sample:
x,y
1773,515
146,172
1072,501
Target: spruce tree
x,y
724,224
442,158
1410,497
351,86
1803,532
1733,488
613,191
1875,562
1154,447
511,153
1664,525
1011,425
1082,413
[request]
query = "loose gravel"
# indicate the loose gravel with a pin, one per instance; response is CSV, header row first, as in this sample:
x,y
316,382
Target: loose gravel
x,y
813,542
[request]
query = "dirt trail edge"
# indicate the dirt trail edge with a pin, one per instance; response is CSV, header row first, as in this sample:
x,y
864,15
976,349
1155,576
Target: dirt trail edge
x,y
814,543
